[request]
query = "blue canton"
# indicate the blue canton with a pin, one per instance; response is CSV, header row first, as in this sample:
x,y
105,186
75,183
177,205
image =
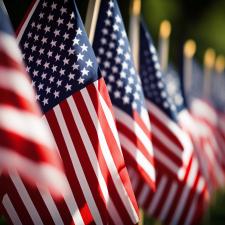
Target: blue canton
x,y
57,52
114,57
154,86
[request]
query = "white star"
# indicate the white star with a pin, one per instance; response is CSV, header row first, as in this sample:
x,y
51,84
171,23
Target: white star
x,y
79,31
63,10
84,48
30,59
53,6
114,69
47,29
59,83
41,15
126,99
69,25
117,94
27,69
71,76
105,31
101,51
45,101
107,22
50,18
46,65
39,26
65,61
111,78
56,33
54,68
117,60
121,42
80,80
118,19
60,21
111,4
111,45
109,87
48,90
113,36
128,89
44,4
136,96
38,62
127,56
43,76
115,27
62,72
72,15
37,97
44,40
80,56
33,24
109,13
36,37
35,73
68,87
109,54
33,83
56,94
76,41
66,36
41,51
123,74
106,64
119,51
53,43
84,71
71,51
75,66
89,63
40,86
103,41
57,57
125,65
29,35
62,47
49,54
33,48
130,80
119,83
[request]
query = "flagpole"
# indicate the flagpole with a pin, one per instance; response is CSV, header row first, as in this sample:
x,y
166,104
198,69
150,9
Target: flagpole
x,y
134,30
164,34
220,64
188,51
209,62
91,18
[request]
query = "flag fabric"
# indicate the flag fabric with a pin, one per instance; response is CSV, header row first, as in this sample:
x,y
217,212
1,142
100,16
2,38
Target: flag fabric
x,y
114,57
26,145
180,188
77,108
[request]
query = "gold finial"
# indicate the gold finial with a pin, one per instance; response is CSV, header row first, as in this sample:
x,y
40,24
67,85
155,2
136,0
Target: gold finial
x,y
136,7
220,64
165,29
189,48
209,58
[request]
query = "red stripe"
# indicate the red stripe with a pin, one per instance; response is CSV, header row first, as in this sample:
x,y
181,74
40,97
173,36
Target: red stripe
x,y
104,169
74,184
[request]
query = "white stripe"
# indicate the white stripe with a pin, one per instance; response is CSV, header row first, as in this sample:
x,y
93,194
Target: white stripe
x,y
22,30
186,190
166,161
37,172
168,202
6,202
110,119
50,204
145,117
7,43
94,160
191,211
143,195
77,169
25,124
177,131
155,201
27,201
134,127
138,156
109,160
16,82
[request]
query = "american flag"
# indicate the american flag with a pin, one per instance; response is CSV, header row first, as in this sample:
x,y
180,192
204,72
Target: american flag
x,y
180,188
26,145
77,108
114,57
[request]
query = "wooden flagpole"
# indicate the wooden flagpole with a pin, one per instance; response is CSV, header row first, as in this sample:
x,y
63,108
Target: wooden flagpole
x,y
134,30
164,34
188,51
209,62
220,64
91,18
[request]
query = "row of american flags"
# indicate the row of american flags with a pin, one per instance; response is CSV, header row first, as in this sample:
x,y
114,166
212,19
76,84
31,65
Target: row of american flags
x,y
87,138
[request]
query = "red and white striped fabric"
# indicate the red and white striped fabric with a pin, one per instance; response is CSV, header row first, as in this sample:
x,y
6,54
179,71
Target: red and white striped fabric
x,y
83,126
25,144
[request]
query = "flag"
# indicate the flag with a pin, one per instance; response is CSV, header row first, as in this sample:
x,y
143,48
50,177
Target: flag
x,y
114,57
77,108
180,188
26,145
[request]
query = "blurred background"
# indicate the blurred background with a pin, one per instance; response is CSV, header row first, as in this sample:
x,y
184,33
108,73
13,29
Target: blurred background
x,y
201,20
